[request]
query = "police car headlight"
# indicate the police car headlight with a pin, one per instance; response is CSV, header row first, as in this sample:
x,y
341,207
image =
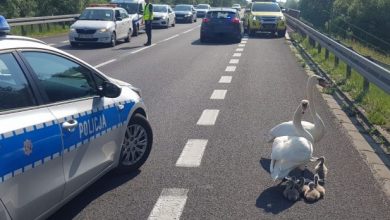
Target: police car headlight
x,y
136,90
254,18
103,30
72,29
187,15
164,17
280,18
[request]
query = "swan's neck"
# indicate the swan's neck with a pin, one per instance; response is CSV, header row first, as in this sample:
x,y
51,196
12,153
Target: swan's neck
x,y
297,122
318,123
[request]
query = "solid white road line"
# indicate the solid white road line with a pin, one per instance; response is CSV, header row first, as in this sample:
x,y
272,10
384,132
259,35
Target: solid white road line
x,y
240,49
218,94
169,205
65,41
230,69
192,154
244,42
208,117
241,45
139,50
105,63
234,61
225,79
187,31
170,38
52,44
237,55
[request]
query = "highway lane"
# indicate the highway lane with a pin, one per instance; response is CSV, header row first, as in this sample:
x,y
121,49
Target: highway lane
x,y
177,79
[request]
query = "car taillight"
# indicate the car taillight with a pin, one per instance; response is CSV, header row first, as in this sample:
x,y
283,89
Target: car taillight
x,y
236,20
205,20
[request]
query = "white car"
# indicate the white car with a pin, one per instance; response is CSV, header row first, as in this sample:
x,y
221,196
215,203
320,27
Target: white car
x,y
163,16
64,124
237,7
202,9
104,24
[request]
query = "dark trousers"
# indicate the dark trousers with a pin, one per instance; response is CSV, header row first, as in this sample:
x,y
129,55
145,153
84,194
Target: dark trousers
x,y
148,30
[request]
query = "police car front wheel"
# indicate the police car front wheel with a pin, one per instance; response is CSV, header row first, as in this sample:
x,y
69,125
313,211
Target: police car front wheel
x,y
136,145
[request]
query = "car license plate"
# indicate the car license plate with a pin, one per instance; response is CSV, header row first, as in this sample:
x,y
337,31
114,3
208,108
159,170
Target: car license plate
x,y
85,35
179,18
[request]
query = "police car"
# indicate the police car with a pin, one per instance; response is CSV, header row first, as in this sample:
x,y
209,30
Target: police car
x,y
63,125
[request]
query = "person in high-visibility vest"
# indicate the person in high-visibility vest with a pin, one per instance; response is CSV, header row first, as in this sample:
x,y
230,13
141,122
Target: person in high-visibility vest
x,y
148,18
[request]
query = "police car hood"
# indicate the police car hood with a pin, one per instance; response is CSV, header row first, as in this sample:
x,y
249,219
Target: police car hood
x,y
182,12
159,14
89,24
119,82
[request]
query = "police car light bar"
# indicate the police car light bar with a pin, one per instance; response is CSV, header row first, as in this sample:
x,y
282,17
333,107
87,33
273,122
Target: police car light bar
x,y
4,26
103,5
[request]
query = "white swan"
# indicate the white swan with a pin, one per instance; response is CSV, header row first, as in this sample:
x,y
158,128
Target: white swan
x,y
290,152
317,130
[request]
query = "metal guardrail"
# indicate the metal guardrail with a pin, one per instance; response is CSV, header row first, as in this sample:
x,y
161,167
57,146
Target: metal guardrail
x,y
41,20
371,71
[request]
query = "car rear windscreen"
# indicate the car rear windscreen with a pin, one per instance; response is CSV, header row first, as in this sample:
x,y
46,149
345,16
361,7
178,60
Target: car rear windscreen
x,y
221,15
266,7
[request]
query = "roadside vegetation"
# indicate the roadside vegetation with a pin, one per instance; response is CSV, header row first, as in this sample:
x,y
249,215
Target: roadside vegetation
x,y
43,31
375,101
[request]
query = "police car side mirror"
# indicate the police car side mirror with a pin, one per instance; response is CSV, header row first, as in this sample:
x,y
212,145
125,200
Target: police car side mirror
x,y
247,10
118,18
76,18
110,90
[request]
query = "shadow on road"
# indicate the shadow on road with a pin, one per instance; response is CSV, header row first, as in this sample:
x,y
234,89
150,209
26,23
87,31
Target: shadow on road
x,y
129,48
265,163
214,42
107,183
272,201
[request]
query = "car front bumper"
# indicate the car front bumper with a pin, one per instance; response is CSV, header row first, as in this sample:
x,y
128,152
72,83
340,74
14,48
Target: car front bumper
x,y
97,37
256,25
160,22
183,19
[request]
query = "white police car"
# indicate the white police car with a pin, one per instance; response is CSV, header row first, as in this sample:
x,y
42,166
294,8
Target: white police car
x,y
63,125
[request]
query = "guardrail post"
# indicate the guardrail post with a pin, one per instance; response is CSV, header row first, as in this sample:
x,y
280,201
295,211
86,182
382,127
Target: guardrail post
x,y
312,42
326,53
32,28
366,85
63,25
23,30
48,26
349,71
336,61
319,48
40,28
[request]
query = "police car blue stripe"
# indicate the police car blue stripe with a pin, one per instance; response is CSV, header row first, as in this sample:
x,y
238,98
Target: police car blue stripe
x,y
14,159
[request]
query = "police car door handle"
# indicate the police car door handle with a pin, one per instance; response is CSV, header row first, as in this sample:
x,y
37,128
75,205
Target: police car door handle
x,y
70,125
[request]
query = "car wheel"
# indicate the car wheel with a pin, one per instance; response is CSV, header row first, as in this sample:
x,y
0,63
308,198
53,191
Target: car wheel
x,y
251,32
137,144
282,33
238,38
73,44
167,24
203,39
136,31
127,39
113,40
195,19
174,23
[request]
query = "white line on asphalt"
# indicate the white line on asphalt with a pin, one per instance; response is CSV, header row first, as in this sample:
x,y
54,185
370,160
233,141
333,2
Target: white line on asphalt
x,y
187,31
241,45
192,154
208,117
244,39
136,51
234,61
225,79
169,205
236,54
230,69
170,38
218,94
244,42
52,44
65,41
287,36
105,63
240,49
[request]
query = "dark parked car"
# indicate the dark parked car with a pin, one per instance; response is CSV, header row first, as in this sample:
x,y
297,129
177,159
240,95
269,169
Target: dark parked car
x,y
185,13
222,22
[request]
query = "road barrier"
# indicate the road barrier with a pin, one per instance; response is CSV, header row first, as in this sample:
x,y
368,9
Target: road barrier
x,y
371,71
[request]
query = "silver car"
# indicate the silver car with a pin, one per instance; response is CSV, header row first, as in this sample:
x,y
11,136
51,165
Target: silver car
x,y
101,24
163,16
64,124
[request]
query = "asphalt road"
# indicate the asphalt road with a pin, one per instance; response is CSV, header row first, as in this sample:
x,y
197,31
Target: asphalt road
x,y
177,77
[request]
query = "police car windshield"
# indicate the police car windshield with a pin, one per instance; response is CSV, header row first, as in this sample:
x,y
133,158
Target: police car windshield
x,y
160,8
183,8
97,14
266,7
131,8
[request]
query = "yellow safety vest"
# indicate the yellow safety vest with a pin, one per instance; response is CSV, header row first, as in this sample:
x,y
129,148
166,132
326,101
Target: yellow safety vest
x,y
148,14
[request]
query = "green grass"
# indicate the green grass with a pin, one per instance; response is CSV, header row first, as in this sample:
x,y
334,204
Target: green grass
x,y
375,102
45,31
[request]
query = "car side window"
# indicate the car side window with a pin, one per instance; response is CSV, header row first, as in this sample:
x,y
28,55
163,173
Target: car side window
x,y
124,14
15,91
61,78
117,14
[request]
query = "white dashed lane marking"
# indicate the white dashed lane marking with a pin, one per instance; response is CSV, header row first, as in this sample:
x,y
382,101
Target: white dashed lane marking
x,y
240,49
208,117
225,79
170,38
170,204
241,45
234,61
218,94
65,41
52,44
244,42
237,55
192,154
105,63
230,69
139,50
